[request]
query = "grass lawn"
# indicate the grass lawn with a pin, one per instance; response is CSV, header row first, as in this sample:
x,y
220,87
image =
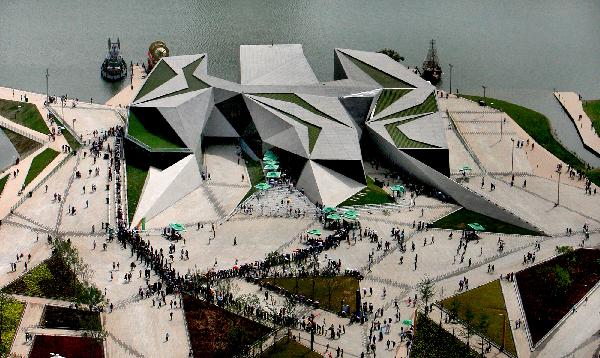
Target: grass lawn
x,y
137,130
289,348
432,341
255,172
592,109
3,183
39,163
136,177
400,139
428,106
458,220
389,96
379,76
11,315
28,115
538,127
295,99
342,288
486,300
22,144
52,279
73,143
372,194
160,74
68,318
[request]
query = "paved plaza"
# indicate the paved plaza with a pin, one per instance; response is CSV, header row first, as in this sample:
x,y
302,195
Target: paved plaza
x,y
276,221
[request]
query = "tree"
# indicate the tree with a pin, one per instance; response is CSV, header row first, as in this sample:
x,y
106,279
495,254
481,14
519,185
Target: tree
x,y
483,324
426,288
562,280
454,308
468,320
562,250
393,54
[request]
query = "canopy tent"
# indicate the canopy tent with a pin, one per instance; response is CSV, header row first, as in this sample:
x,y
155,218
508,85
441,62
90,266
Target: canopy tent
x,y
273,175
262,186
476,227
270,162
351,215
334,216
271,166
177,227
328,209
314,232
269,156
398,188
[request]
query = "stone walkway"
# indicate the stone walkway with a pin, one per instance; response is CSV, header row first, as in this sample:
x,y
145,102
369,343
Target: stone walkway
x,y
574,107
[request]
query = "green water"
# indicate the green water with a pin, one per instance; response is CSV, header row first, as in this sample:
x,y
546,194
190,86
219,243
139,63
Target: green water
x,y
519,50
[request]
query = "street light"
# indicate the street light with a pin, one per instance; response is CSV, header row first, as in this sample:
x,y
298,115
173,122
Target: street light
x,y
558,187
484,87
47,96
503,331
512,158
450,65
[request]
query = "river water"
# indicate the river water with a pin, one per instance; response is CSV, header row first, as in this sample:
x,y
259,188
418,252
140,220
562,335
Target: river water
x,y
520,50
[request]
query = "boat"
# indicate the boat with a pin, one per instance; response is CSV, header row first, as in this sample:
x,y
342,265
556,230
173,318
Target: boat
x,y
156,51
432,71
114,67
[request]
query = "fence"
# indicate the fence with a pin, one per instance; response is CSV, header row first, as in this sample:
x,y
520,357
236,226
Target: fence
x,y
31,190
16,129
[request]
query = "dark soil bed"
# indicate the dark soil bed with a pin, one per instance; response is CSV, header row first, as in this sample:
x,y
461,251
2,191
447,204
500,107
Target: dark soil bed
x,y
215,332
68,318
66,347
547,296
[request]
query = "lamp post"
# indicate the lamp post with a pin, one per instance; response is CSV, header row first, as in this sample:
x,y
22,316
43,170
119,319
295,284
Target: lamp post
x,y
47,96
503,331
484,87
512,157
450,65
558,188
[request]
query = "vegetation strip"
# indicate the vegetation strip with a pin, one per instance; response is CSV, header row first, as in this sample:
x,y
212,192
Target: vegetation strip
x,y
459,220
25,114
39,163
538,127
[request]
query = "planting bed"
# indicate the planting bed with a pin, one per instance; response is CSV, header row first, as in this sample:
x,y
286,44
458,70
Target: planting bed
x,y
215,332
546,298
66,347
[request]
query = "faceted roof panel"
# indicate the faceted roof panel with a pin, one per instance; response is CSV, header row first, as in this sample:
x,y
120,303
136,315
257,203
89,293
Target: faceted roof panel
x,y
275,65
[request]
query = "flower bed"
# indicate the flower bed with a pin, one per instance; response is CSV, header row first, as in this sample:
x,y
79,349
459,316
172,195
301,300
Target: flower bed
x,y
215,332
549,290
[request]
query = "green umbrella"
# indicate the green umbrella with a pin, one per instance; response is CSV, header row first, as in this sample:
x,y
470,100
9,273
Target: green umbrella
x,y
351,215
269,156
328,209
270,162
262,186
465,168
271,167
273,174
314,232
407,322
177,227
398,187
476,227
334,216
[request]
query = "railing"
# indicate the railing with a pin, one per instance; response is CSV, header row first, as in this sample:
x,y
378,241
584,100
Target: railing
x,y
8,125
65,124
157,150
26,195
